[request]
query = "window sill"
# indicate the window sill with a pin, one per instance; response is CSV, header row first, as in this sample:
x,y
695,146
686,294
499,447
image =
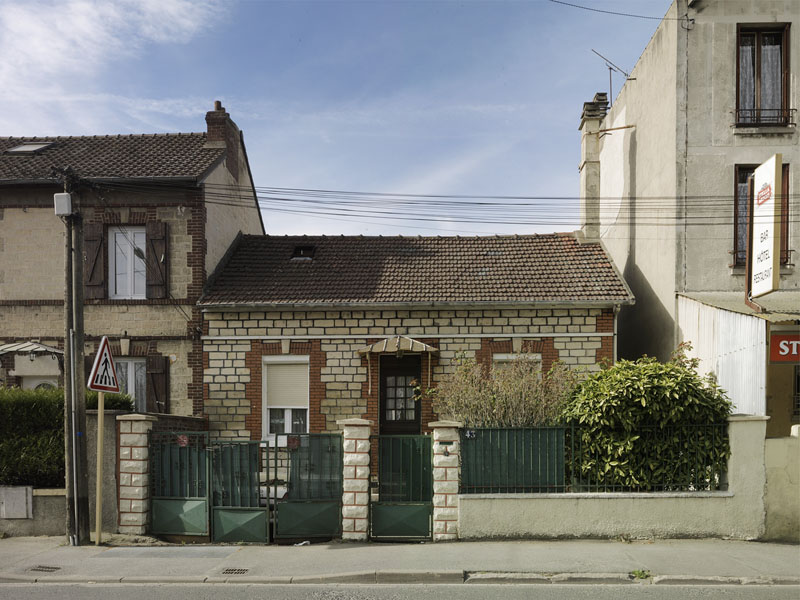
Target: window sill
x,y
786,270
754,130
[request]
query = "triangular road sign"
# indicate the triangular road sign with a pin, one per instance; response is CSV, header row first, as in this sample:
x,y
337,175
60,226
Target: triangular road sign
x,y
103,377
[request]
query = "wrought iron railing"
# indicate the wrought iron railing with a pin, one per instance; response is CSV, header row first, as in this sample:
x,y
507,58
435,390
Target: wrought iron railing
x,y
778,117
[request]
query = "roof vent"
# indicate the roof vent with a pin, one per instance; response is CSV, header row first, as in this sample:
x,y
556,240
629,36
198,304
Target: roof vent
x,y
29,147
303,253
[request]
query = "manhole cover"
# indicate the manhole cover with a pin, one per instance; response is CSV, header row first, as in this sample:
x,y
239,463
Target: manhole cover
x,y
44,569
233,571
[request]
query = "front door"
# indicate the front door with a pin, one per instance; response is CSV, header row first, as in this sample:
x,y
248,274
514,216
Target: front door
x,y
400,413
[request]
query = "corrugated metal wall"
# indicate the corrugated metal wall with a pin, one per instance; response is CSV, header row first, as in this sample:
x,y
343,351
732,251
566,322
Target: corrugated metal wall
x,y
731,345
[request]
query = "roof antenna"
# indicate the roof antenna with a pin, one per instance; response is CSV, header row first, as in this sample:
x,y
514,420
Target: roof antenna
x,y
612,67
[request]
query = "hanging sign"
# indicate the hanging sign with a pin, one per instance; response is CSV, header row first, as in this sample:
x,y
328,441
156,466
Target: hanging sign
x,y
765,225
103,377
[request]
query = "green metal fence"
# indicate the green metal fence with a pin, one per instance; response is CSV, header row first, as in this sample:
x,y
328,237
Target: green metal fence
x,y
561,459
497,461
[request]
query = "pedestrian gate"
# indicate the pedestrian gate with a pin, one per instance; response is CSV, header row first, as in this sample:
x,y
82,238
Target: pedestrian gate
x,y
401,506
207,489
308,485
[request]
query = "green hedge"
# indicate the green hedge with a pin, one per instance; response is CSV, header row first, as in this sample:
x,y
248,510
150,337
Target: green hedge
x,y
32,434
640,426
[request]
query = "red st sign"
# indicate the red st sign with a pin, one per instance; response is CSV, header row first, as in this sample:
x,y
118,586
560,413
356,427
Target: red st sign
x,y
784,347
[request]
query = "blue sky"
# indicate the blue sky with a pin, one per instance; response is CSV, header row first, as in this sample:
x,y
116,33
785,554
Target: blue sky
x,y
479,98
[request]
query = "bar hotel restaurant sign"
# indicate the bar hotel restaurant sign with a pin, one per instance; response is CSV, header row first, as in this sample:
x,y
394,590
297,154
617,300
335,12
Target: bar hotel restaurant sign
x,y
765,224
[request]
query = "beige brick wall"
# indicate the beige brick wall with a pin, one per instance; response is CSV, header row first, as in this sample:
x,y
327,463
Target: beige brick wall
x,y
228,371
31,254
224,221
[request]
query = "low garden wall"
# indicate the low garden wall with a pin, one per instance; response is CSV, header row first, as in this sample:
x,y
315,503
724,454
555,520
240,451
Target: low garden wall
x,y
782,457
738,512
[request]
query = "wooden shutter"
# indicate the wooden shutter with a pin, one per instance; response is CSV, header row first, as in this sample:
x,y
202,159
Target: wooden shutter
x,y
156,259
94,263
157,396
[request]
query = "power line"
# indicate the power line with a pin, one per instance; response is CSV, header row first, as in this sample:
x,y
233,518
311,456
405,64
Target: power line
x,y
618,14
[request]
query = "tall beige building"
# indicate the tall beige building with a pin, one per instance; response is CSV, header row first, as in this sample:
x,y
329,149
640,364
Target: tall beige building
x,y
664,186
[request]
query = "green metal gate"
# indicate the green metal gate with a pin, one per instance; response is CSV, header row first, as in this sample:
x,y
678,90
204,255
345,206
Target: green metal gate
x,y
401,501
307,484
237,514
179,476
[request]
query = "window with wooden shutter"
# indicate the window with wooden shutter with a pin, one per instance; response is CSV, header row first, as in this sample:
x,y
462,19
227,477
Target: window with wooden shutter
x,y
157,390
94,266
156,259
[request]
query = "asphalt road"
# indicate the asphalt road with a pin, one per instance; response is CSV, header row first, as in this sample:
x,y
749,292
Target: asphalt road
x,y
393,592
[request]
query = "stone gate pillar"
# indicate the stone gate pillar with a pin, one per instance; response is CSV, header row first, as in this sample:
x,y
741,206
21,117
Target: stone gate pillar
x,y
446,479
355,480
133,456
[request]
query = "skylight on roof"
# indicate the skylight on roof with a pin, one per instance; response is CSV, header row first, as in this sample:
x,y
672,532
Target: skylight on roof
x,y
29,147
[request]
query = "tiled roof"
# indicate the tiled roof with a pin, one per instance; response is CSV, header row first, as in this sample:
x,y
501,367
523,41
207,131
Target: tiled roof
x,y
552,268
110,156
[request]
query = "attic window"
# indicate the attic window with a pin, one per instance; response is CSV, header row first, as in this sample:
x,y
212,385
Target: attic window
x,y
29,147
303,253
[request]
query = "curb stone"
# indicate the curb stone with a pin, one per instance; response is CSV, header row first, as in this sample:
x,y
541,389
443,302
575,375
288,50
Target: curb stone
x,y
593,578
488,577
420,576
695,580
353,577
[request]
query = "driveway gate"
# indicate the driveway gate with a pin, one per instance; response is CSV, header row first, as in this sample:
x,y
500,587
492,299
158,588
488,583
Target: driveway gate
x,y
204,489
237,514
179,475
401,506
308,485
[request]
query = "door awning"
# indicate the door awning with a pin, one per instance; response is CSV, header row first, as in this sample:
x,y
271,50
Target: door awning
x,y
29,347
395,344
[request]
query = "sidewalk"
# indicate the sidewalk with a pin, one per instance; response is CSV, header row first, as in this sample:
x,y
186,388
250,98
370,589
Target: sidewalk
x,y
700,562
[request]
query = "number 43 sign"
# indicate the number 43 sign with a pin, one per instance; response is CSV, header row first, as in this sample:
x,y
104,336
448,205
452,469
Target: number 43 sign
x,y
103,377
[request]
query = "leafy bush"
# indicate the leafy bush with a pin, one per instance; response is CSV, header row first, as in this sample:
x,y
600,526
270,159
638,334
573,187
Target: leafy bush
x,y
637,425
512,394
32,434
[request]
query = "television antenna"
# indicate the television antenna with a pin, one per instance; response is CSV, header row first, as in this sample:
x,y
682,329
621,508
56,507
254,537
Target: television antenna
x,y
612,67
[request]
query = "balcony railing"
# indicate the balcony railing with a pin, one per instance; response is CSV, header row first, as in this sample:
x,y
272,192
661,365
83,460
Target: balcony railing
x,y
752,117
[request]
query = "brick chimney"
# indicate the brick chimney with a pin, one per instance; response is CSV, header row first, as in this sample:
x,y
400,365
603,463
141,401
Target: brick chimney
x,y
223,132
593,114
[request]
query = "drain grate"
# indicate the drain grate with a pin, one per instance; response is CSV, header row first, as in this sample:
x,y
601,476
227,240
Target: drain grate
x,y
44,569
234,571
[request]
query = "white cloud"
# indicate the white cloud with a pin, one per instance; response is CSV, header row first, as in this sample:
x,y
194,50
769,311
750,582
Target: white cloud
x,y
52,49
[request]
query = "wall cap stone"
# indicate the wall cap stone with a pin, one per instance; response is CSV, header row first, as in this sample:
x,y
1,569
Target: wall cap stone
x,y
598,495
356,422
450,424
49,492
136,417
736,418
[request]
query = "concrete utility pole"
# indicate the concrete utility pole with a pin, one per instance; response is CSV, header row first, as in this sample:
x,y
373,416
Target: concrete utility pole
x,y
75,455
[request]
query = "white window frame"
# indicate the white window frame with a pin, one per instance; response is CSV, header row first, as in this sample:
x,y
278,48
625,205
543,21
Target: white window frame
x,y
139,404
293,359
128,235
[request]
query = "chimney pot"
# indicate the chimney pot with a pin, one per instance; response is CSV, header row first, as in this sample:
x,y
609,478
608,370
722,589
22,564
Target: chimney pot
x,y
218,105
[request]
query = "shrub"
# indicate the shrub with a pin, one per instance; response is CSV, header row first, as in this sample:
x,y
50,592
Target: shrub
x,y
512,394
32,434
636,425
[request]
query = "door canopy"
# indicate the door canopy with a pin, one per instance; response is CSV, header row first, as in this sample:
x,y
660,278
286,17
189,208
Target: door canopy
x,y
397,345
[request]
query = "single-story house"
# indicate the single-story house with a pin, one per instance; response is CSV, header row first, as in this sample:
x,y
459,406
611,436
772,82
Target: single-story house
x,y
299,332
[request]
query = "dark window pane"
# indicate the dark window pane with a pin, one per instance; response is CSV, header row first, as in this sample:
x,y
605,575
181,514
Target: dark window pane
x,y
299,417
277,420
741,214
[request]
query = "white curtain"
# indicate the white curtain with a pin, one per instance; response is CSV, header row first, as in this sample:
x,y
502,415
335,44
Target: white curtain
x,y
747,77
771,88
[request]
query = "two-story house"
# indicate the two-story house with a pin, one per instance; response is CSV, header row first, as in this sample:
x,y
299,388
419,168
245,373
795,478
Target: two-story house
x,y
159,213
664,175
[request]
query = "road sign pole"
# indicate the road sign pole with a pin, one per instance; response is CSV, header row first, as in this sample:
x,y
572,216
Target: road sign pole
x,y
98,503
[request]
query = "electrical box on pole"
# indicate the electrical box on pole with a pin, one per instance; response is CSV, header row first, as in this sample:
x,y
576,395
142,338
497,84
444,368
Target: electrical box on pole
x,y
63,204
